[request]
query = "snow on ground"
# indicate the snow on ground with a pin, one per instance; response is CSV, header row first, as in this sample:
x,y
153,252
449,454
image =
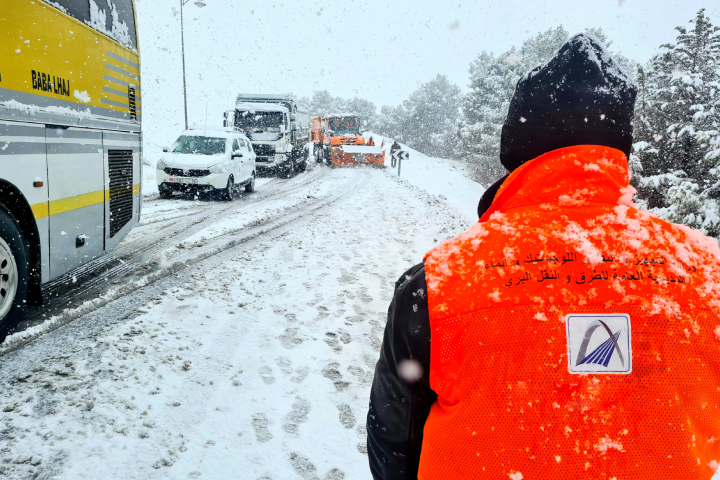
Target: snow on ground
x,y
149,185
446,178
257,368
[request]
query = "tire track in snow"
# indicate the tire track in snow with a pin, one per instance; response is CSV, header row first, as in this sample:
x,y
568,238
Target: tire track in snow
x,y
199,219
120,303
129,257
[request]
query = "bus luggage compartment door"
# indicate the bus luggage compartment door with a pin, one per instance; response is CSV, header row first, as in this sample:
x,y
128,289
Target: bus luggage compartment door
x,y
76,197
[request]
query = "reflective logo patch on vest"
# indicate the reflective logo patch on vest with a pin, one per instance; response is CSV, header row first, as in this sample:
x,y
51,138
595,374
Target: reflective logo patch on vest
x,y
599,344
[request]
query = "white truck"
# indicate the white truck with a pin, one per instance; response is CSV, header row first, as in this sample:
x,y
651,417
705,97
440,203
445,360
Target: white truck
x,y
278,130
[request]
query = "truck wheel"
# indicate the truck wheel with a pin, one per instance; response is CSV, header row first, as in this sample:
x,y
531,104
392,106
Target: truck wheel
x,y
14,274
290,169
250,187
166,193
303,166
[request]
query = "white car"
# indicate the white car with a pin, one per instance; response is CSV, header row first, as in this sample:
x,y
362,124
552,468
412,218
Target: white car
x,y
209,161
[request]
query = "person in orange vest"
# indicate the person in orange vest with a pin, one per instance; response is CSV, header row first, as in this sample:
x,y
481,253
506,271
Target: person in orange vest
x,y
371,142
567,334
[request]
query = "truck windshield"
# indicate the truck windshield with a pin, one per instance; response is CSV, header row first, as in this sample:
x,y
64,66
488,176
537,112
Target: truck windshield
x,y
344,126
199,145
264,121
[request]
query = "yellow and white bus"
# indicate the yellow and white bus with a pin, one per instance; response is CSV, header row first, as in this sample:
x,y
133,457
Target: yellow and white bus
x,y
70,140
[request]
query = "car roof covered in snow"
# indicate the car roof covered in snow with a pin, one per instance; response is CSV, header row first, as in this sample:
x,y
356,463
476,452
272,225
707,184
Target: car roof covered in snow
x,y
260,107
199,131
343,115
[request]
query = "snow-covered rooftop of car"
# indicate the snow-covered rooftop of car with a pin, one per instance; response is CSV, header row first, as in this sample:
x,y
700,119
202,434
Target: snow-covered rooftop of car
x,y
200,131
343,115
260,107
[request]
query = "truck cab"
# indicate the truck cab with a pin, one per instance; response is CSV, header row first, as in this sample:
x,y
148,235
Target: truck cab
x,y
277,129
340,141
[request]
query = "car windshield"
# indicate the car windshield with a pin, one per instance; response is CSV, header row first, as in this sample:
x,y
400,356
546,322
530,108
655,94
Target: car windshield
x,y
344,126
192,145
260,121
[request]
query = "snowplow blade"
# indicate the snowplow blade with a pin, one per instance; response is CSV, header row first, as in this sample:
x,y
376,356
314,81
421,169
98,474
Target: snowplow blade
x,y
357,155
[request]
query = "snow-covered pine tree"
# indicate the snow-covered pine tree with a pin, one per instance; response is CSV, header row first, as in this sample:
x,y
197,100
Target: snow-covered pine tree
x,y
426,121
492,84
678,125
322,103
492,81
431,113
367,111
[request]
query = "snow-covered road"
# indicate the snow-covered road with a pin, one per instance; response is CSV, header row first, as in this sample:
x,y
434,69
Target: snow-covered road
x,y
243,347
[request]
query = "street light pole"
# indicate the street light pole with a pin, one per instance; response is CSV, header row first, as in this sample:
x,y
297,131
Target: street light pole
x,y
200,4
182,40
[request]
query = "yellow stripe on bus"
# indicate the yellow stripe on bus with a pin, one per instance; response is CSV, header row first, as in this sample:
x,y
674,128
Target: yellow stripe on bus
x,y
45,209
40,210
73,203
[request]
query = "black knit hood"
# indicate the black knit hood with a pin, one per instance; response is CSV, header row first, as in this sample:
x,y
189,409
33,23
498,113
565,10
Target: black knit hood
x,y
580,97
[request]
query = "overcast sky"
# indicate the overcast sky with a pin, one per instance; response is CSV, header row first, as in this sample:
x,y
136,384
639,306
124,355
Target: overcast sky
x,y
376,49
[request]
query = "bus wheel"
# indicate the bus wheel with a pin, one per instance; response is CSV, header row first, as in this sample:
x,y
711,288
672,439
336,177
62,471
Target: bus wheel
x,y
14,274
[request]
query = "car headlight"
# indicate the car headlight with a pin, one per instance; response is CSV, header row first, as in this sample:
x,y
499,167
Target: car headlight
x,y
219,168
161,165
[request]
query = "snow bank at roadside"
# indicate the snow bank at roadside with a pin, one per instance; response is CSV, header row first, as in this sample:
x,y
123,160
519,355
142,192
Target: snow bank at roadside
x,y
149,185
437,176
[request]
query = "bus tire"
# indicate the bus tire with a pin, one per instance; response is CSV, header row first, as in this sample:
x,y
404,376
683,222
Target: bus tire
x,y
14,274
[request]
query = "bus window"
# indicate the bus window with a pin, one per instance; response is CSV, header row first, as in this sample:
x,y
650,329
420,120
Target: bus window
x,y
114,18
78,9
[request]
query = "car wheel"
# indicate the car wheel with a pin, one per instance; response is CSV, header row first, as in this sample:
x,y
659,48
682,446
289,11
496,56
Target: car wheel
x,y
14,274
250,187
229,193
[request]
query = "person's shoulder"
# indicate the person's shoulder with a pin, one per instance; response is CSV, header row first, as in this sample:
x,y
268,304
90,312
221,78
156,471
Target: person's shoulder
x,y
413,276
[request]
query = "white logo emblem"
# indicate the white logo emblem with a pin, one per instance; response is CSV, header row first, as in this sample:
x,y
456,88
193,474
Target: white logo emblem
x,y
599,343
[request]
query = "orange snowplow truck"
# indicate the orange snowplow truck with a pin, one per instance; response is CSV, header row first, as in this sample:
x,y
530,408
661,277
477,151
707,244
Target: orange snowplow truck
x,y
337,141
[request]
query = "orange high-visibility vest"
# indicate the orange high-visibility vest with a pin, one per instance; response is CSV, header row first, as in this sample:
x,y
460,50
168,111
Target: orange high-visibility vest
x,y
573,335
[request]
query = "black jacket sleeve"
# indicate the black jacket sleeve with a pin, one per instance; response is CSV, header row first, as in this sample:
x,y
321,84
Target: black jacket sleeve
x,y
399,407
